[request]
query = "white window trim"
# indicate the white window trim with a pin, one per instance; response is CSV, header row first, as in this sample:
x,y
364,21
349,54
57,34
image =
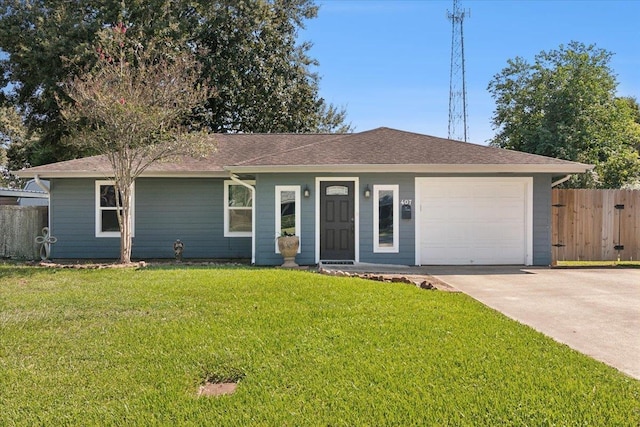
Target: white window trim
x,y
279,190
225,208
376,219
99,209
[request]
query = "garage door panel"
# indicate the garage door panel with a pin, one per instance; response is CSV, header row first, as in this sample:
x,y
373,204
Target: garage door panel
x,y
473,221
499,231
438,235
447,210
496,207
489,233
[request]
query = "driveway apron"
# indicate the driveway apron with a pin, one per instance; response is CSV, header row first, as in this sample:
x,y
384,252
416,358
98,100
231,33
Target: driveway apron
x,y
594,311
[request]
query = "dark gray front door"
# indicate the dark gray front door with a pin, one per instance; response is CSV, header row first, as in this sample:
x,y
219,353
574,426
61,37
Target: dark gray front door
x,y
337,212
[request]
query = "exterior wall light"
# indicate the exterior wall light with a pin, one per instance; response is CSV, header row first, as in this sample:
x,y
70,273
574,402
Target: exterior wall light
x,y
306,191
367,192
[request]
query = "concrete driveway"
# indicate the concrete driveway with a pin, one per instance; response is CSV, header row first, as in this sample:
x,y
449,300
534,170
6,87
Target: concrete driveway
x,y
594,311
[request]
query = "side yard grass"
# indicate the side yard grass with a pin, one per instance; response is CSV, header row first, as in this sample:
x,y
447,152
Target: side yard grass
x,y
589,264
131,347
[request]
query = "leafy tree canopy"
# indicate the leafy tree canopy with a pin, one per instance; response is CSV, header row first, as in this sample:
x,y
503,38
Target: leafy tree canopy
x,y
14,137
564,105
247,49
135,106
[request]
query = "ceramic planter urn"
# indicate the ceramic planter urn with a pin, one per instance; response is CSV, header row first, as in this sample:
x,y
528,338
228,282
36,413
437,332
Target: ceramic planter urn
x,y
288,246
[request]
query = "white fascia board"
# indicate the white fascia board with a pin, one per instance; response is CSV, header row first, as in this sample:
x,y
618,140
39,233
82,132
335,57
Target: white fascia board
x,y
106,174
419,168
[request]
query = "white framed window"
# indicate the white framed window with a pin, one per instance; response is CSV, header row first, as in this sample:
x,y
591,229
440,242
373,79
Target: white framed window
x,y
386,215
107,210
287,211
238,209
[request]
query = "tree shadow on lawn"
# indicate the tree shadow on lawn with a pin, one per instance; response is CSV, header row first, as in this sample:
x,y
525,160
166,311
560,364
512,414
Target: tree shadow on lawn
x,y
16,269
22,269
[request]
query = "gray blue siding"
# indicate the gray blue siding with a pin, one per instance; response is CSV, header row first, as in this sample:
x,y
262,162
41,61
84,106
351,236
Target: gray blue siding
x,y
406,186
165,210
266,218
542,219
191,210
265,221
72,219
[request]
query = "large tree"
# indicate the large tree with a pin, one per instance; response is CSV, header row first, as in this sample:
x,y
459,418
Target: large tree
x,y
14,137
135,106
564,105
264,78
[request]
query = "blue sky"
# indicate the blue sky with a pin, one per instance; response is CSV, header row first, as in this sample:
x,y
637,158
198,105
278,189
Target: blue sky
x,y
387,62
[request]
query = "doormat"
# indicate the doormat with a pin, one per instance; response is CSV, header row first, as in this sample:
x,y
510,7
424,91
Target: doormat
x,y
339,262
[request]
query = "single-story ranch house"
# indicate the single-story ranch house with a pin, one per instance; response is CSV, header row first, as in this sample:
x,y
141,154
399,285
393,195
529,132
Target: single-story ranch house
x,y
379,196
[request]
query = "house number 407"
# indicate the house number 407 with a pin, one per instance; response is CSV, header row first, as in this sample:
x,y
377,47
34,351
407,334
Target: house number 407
x,y
406,202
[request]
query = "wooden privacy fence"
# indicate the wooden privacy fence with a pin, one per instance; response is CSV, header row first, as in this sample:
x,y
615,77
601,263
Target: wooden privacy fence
x,y
19,226
595,225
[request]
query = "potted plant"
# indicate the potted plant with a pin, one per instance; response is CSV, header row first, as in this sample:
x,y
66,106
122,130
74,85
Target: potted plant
x,y
288,245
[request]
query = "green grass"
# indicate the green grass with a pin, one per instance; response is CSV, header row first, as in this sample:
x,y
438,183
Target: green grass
x,y
622,264
130,347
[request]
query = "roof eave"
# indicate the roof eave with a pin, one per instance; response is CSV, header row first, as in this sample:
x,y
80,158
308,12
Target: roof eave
x,y
569,168
27,173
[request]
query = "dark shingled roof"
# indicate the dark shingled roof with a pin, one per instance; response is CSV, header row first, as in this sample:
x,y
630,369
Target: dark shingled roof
x,y
385,146
381,146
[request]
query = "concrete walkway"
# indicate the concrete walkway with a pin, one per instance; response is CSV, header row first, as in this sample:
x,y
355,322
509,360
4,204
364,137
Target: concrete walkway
x,y
594,311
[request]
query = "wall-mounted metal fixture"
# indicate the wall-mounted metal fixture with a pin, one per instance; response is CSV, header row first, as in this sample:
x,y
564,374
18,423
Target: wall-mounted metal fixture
x,y
367,192
619,246
306,191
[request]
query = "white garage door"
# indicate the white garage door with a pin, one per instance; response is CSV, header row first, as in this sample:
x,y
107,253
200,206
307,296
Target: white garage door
x,y
466,221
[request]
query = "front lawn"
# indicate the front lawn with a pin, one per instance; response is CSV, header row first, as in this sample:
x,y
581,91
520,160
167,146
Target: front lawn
x,y
131,347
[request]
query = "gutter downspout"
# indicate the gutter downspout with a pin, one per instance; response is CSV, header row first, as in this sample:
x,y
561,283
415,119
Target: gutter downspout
x,y
40,184
560,181
235,178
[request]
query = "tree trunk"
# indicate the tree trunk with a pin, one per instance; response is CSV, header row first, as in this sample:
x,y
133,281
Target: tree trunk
x,y
126,241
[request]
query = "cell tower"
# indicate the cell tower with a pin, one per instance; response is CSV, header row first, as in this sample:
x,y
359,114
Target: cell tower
x,y
457,85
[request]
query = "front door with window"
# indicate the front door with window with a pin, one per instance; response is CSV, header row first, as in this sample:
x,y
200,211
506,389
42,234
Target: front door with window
x,y
337,225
